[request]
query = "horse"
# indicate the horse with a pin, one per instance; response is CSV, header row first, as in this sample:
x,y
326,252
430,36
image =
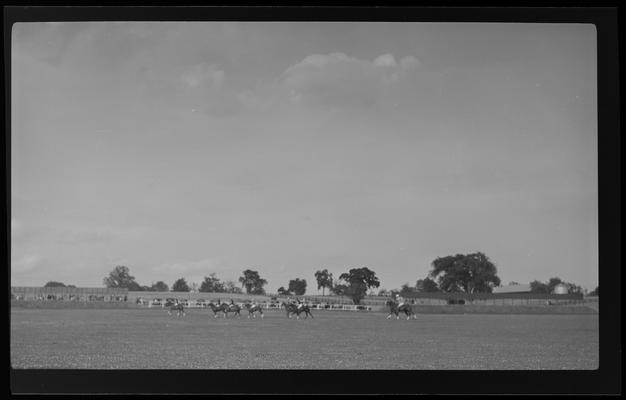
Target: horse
x,y
289,308
217,308
224,308
178,307
405,308
252,309
234,308
294,309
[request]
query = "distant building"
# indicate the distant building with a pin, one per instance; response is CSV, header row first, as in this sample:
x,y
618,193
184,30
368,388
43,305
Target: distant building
x,y
519,288
560,289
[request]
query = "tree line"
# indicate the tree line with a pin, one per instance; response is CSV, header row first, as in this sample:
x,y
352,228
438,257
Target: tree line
x,y
460,273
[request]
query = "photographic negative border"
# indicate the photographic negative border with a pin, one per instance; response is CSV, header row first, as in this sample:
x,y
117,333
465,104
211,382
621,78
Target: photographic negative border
x,y
605,380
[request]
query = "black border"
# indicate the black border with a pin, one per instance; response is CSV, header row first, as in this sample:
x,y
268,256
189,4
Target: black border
x,y
605,380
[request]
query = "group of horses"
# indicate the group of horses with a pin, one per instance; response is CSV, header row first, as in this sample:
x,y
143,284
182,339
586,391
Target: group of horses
x,y
290,308
226,308
223,308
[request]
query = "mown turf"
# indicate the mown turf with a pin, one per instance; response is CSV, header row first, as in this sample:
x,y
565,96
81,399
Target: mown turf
x,y
150,338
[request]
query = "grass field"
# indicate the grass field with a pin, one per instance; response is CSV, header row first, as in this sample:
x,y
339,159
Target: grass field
x,y
150,338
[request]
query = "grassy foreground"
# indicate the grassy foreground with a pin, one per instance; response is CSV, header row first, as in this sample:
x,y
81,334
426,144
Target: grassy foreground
x,y
150,338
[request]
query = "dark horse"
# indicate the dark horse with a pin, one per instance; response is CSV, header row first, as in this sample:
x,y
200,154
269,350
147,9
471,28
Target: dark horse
x,y
293,309
252,309
405,308
225,308
178,307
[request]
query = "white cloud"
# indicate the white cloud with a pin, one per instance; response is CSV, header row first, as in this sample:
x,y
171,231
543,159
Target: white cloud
x,y
203,76
336,78
386,60
408,63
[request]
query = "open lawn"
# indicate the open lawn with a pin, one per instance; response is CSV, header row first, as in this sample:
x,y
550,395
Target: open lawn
x,y
150,338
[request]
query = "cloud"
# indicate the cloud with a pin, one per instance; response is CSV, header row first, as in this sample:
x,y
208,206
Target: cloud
x,y
386,60
203,76
26,263
336,78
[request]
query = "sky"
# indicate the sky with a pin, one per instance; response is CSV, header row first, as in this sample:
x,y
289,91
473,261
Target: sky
x,y
184,149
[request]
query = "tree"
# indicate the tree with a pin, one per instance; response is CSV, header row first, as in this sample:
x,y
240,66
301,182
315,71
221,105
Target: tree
x,y
180,286
406,289
538,287
231,287
324,280
283,292
573,288
160,286
595,292
252,282
384,292
297,286
471,273
426,285
120,278
257,290
54,284
552,283
549,286
212,284
359,281
339,289
135,287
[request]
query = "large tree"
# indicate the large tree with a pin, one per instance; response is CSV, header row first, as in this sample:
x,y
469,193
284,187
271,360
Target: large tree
x,y
406,289
160,286
180,286
212,284
297,286
538,287
426,285
471,273
324,280
120,278
359,281
339,289
54,284
252,282
283,292
231,287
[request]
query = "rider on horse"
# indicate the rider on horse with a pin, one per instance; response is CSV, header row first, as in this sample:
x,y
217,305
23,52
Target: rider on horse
x,y
300,303
399,300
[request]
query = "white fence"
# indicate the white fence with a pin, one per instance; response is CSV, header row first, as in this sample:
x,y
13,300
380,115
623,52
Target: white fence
x,y
268,306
